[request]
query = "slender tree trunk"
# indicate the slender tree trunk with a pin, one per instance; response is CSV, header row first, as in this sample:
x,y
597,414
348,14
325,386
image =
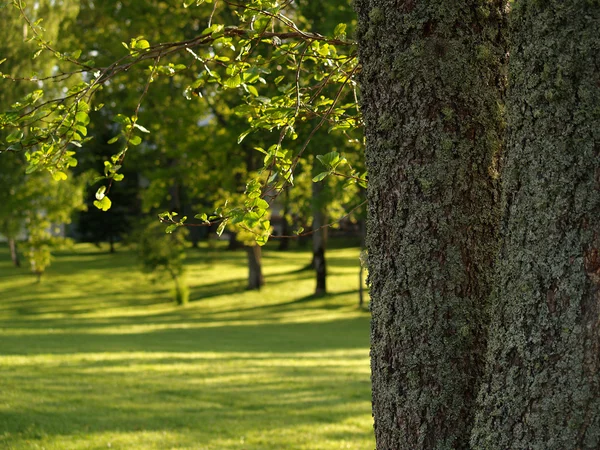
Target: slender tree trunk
x,y
14,254
180,295
111,242
284,243
319,240
432,108
542,387
255,276
233,243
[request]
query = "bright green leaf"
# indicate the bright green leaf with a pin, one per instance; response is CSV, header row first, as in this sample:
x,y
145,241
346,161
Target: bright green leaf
x,y
59,176
320,177
233,82
103,204
135,140
171,228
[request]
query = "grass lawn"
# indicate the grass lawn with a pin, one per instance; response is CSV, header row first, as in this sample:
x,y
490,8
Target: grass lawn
x,y
97,356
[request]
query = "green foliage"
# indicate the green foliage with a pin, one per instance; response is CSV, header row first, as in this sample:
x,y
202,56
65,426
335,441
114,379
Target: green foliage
x,y
160,252
287,82
46,205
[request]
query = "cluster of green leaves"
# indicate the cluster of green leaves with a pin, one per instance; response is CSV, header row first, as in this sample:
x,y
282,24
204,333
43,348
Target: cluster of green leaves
x,y
33,202
45,203
286,79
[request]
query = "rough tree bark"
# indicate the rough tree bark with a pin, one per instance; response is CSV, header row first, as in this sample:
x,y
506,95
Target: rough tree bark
x,y
542,388
432,87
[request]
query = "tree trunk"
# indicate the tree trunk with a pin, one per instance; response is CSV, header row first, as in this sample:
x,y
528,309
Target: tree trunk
x,y
431,104
542,384
233,243
111,242
284,243
255,276
319,239
181,295
14,254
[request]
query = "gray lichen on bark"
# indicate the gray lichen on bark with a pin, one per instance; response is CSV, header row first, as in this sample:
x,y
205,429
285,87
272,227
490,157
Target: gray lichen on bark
x,y
542,388
432,89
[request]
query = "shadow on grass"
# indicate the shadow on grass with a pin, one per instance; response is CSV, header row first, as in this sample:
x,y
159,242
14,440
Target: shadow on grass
x,y
93,356
192,336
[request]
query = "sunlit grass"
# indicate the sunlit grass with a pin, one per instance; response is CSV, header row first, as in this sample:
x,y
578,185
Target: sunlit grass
x,y
98,357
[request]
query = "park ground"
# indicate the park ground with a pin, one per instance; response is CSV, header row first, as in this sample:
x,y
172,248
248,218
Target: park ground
x,y
97,356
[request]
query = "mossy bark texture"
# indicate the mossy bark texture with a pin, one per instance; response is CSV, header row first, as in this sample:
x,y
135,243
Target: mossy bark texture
x,y
432,86
542,388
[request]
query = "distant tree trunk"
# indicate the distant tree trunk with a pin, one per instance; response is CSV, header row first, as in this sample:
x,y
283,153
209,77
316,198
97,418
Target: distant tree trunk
x,y
319,240
255,276
111,242
14,254
195,233
181,292
233,243
284,243
432,95
174,189
542,386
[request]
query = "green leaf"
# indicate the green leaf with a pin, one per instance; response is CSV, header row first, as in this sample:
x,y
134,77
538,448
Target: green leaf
x,y
329,160
261,204
251,89
340,31
15,136
233,82
141,44
141,128
262,240
251,219
242,136
320,177
122,119
59,176
203,217
135,140
171,228
103,204
221,228
82,117
100,192
113,140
